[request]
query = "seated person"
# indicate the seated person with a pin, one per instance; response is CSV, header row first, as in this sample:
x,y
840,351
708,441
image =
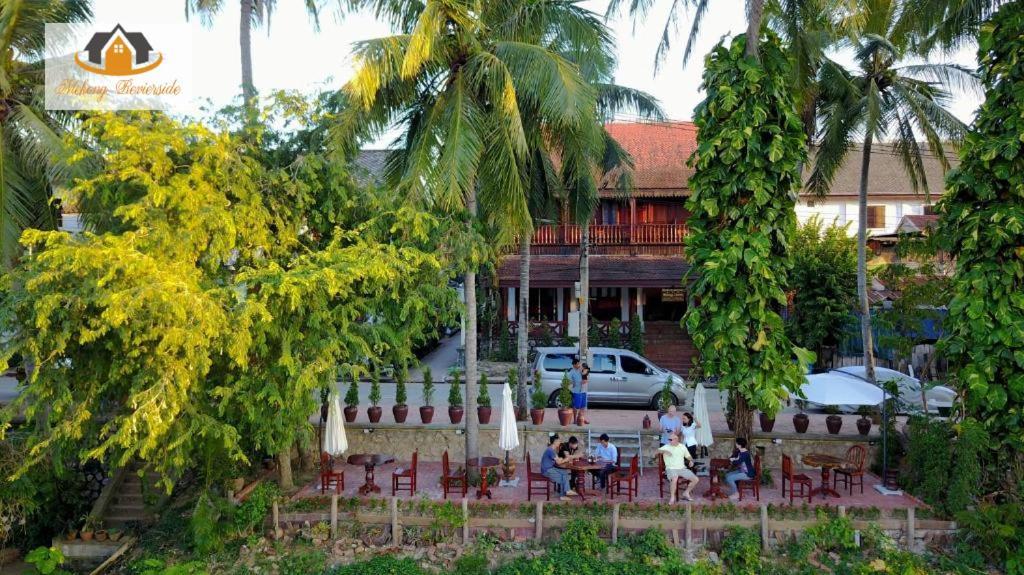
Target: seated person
x,y
549,466
605,451
569,451
676,457
743,467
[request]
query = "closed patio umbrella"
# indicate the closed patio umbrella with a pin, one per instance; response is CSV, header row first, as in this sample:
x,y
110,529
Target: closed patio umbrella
x,y
700,414
335,440
508,432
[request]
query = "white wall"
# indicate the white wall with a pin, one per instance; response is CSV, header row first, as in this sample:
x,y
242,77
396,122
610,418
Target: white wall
x,y
842,212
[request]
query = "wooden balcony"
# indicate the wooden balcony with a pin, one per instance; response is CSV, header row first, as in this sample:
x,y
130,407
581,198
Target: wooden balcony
x,y
638,239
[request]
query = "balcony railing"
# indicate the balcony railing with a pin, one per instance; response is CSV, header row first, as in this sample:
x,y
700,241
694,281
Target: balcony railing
x,y
611,235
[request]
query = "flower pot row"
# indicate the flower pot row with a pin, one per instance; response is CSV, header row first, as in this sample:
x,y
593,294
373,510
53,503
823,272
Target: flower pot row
x,y
801,421
455,414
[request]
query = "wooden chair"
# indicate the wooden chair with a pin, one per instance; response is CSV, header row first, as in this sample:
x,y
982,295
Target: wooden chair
x,y
753,484
536,483
853,473
328,475
806,483
405,479
453,482
663,478
630,477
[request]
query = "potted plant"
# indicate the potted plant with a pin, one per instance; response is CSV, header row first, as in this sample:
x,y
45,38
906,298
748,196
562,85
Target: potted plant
x,y
89,528
800,420
565,399
325,393
400,410
114,535
767,423
374,411
864,423
352,400
665,397
539,401
427,409
483,401
455,409
833,422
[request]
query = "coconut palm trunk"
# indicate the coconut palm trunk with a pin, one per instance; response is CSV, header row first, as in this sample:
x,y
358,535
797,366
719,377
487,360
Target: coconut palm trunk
x,y
245,43
862,263
584,288
523,333
472,421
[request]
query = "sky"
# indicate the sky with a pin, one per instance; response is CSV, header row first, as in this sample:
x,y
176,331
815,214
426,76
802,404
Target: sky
x,y
291,55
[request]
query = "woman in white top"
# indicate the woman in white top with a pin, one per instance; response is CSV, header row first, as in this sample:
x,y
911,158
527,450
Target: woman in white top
x,y
688,430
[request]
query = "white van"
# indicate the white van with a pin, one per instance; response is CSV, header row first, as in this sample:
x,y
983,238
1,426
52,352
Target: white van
x,y
617,376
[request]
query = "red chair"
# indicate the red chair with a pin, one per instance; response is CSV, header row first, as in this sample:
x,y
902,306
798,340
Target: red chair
x,y
630,477
328,475
806,483
663,478
453,482
854,469
753,485
536,483
405,479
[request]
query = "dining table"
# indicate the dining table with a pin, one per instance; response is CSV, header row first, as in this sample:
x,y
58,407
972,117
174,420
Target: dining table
x,y
580,468
716,466
827,463
369,461
483,464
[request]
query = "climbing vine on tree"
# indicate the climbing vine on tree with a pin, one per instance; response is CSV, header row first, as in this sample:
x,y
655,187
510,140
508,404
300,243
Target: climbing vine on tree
x,y
983,224
750,145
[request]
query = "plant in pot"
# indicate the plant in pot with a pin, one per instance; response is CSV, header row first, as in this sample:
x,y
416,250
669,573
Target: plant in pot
x,y
400,410
565,399
665,397
833,422
427,409
89,527
455,409
483,401
352,399
374,411
115,534
539,401
864,423
767,423
800,420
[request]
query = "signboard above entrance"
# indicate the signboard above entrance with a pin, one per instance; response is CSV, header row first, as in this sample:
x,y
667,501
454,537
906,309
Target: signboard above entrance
x,y
673,294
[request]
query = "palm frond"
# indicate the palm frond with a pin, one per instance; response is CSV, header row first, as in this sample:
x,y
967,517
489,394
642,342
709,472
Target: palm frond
x,y
548,82
613,99
953,77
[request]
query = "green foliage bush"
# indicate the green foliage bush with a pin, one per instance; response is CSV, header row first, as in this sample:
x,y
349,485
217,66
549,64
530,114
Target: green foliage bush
x,y
615,333
428,386
311,562
741,551
401,396
636,334
46,560
538,398
455,391
374,395
928,459
483,398
996,531
565,392
210,522
249,514
352,395
506,351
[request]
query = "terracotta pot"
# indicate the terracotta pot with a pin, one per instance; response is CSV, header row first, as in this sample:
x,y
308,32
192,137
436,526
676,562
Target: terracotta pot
x,y
87,535
863,426
537,416
508,470
374,413
71,535
400,412
483,414
647,421
426,413
800,422
521,413
767,423
834,423
351,411
101,535
564,417
455,414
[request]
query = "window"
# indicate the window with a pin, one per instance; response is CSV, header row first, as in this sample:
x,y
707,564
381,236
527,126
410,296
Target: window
x,y
603,363
558,362
119,48
929,210
876,217
633,365
543,304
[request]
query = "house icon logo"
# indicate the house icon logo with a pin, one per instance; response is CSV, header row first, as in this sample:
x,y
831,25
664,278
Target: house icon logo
x,y
118,53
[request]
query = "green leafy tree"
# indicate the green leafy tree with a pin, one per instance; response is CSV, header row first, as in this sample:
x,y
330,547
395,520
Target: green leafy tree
x,y
982,224
823,283
636,334
401,374
750,147
483,398
455,391
352,395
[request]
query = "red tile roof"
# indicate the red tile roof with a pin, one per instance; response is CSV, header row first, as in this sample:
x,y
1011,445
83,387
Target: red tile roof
x,y
605,271
659,151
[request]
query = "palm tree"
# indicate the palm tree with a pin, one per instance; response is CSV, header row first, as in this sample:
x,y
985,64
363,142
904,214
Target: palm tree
x,y
251,12
456,81
945,24
30,160
882,99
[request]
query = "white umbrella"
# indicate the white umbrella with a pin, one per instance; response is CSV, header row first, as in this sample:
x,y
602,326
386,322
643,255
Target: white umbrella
x,y
700,414
837,388
508,434
335,441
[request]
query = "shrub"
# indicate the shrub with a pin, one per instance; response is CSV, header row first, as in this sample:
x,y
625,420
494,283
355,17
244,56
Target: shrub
x,y
565,393
538,398
473,563
400,393
303,563
428,386
665,399
455,391
352,395
374,388
965,483
636,334
741,551
250,513
483,398
997,532
615,333
46,560
506,351
209,523
380,565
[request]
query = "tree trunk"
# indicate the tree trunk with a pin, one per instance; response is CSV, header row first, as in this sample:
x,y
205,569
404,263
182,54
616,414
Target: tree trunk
x,y
245,42
755,12
306,453
284,468
742,416
862,264
523,340
584,289
472,422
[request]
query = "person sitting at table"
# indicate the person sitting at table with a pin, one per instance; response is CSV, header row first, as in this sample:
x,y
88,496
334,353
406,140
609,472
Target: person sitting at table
x,y
676,456
570,451
549,466
606,452
743,467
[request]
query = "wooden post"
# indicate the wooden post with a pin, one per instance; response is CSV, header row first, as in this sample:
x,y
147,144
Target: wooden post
x,y
334,516
615,523
689,525
465,521
842,511
277,516
764,527
910,528
675,537
538,521
396,529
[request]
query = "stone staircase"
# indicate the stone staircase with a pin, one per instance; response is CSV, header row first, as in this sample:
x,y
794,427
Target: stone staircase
x,y
132,499
668,346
